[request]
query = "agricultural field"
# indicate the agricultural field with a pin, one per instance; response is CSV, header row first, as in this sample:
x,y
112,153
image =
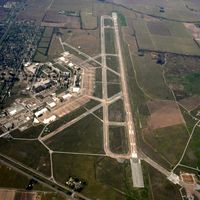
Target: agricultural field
x,y
164,36
172,9
44,44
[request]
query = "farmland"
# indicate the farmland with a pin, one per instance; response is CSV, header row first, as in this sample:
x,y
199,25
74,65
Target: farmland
x,y
164,36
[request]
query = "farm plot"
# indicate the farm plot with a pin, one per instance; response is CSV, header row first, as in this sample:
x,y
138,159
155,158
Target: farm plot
x,y
164,114
165,36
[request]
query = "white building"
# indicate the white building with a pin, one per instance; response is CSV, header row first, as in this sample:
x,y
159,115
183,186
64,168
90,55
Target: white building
x,y
41,112
50,119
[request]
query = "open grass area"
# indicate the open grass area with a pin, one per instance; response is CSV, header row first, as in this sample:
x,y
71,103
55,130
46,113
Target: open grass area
x,y
82,136
31,153
74,52
192,155
118,139
98,74
105,177
150,77
162,188
169,142
113,63
32,132
98,90
63,120
108,22
113,89
88,20
116,111
10,178
110,41
41,54
177,41
99,113
112,78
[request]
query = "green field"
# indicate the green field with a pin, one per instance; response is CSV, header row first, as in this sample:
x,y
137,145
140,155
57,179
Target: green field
x,y
109,41
44,44
82,136
105,177
63,120
112,62
118,139
98,90
179,41
112,78
98,74
108,22
29,133
150,77
31,153
116,111
113,89
169,142
192,155
88,20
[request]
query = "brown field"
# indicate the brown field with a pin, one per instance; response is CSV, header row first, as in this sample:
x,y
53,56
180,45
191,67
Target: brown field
x,y
53,18
84,39
7,194
26,196
164,114
190,103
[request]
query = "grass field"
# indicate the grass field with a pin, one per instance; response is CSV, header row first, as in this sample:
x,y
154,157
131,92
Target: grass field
x,y
113,89
82,136
118,139
162,188
116,111
109,41
32,132
54,125
192,155
31,153
105,177
150,77
98,74
169,142
88,20
44,44
177,41
108,22
112,62
112,78
98,90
